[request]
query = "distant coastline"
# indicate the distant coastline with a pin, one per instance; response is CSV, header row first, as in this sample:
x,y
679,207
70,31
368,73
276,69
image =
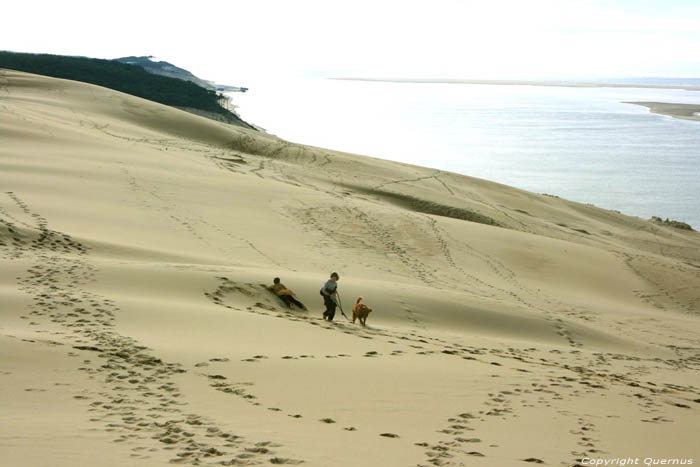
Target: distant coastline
x,y
505,82
160,82
684,111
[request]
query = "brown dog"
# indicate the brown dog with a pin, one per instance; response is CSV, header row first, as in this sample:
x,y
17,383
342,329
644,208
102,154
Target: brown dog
x,y
360,311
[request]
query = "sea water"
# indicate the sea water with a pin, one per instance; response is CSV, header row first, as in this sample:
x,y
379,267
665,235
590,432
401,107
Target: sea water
x,y
583,144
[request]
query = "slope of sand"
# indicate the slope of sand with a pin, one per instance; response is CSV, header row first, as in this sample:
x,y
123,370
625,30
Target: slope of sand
x,y
508,327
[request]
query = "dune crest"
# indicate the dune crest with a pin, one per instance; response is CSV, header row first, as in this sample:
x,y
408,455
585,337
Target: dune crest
x,y
137,242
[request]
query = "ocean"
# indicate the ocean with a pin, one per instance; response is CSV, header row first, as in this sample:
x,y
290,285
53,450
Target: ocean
x,y
582,144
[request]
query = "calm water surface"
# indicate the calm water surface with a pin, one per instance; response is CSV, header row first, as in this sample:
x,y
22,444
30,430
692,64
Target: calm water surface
x,y
581,144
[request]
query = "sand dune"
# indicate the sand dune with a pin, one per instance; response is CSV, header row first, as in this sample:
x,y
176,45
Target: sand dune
x,y
137,240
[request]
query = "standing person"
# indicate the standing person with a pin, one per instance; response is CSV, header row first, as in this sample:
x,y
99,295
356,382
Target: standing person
x,y
285,294
328,291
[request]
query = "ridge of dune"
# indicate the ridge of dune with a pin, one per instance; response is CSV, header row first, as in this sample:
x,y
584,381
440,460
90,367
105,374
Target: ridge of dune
x,y
137,240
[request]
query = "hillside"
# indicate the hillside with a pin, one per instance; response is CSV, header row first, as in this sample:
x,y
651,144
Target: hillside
x,y
123,77
507,327
168,69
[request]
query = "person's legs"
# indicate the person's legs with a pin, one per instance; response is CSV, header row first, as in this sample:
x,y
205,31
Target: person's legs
x,y
296,302
330,308
287,300
325,303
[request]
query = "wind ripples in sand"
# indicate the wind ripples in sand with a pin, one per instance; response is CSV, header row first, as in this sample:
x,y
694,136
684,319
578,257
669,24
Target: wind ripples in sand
x,y
582,144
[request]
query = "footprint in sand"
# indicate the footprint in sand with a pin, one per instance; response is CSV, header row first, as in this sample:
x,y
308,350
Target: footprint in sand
x,y
282,460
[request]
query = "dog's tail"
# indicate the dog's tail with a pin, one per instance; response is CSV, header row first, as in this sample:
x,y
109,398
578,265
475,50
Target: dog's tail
x,y
358,300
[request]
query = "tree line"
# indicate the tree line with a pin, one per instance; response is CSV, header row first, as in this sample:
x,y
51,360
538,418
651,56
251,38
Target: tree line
x,y
130,79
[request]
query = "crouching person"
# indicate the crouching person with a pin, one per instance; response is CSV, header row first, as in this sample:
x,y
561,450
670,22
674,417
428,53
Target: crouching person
x,y
285,294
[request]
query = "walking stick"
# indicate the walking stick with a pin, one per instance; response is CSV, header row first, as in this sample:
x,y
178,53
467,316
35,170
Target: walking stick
x,y
340,305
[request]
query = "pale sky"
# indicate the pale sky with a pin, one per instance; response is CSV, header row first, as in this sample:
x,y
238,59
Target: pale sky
x,y
235,41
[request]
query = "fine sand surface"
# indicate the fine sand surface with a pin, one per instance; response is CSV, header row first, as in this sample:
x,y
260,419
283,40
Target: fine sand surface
x,y
684,111
508,328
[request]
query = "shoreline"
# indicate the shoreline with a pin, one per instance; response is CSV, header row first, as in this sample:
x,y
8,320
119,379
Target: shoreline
x,y
682,111
497,82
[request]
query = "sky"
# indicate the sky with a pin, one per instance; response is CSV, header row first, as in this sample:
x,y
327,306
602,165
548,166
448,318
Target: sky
x,y
233,42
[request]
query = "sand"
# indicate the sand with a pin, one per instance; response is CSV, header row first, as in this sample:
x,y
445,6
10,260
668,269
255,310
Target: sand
x,y
684,111
507,328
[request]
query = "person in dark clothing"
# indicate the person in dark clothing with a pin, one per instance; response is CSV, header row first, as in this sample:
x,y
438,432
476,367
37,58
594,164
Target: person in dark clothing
x,y
285,294
328,291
